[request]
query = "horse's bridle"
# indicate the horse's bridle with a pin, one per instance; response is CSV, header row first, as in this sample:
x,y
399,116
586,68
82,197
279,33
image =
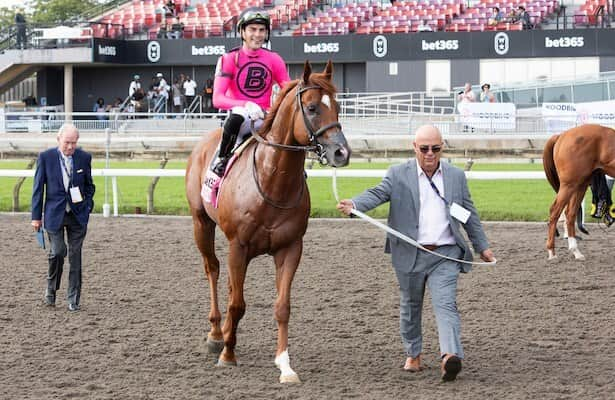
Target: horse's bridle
x,y
313,144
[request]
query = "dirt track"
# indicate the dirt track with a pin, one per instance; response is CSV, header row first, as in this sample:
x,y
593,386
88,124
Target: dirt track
x,y
532,329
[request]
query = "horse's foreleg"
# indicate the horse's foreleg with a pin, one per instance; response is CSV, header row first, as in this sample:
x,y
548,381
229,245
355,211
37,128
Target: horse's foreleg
x,y
286,262
571,215
237,265
204,235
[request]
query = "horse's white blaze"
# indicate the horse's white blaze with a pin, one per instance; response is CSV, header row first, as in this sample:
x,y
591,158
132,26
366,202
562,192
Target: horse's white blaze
x,y
326,100
283,363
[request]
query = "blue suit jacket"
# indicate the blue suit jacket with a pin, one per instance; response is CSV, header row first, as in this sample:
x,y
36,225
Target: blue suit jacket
x,y
400,187
48,185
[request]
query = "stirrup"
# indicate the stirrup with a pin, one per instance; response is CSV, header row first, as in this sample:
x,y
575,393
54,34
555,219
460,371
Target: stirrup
x,y
599,210
608,220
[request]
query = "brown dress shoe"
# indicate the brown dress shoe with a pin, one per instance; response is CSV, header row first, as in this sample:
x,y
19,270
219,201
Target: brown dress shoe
x,y
413,364
451,365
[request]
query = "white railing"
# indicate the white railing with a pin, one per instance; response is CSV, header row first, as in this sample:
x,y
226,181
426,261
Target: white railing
x,y
348,173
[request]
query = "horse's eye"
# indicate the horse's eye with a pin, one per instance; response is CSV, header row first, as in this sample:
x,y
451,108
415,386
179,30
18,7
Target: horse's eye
x,y
312,108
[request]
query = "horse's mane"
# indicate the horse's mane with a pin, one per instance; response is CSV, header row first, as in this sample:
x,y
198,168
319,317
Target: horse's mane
x,y
317,79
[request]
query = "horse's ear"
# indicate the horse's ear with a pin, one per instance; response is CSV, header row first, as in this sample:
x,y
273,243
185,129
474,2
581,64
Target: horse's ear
x,y
329,70
307,71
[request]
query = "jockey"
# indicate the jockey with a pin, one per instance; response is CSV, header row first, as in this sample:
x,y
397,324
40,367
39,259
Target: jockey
x,y
244,80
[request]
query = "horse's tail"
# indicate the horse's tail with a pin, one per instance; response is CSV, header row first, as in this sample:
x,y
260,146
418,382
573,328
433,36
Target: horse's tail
x,y
548,163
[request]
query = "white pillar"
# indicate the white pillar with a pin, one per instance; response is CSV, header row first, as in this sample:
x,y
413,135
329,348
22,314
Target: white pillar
x,y
68,91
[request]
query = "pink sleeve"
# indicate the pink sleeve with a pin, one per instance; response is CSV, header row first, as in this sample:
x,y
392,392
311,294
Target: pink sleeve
x,y
221,85
280,72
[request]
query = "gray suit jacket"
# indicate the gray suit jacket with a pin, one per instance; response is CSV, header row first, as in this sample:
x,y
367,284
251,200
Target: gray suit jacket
x,y
400,187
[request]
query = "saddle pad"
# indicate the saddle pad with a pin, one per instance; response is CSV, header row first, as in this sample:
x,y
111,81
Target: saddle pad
x,y
210,188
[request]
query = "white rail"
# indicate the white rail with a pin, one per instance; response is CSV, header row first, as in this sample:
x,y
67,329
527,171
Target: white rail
x,y
349,173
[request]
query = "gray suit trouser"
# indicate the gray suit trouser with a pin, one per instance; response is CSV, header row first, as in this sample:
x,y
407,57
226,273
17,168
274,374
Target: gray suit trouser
x,y
440,275
75,233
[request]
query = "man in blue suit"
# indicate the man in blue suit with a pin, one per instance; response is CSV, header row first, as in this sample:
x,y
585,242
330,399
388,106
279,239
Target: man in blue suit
x,y
63,178
429,201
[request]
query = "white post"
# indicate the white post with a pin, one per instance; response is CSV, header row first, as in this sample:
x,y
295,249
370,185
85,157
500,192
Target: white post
x,y
106,206
114,185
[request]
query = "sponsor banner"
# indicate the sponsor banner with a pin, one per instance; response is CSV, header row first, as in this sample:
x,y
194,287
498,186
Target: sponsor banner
x,y
488,116
596,112
562,116
107,50
568,43
437,45
500,44
362,48
322,48
559,117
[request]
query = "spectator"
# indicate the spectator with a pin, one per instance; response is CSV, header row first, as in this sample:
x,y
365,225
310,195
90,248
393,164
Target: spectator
x,y
63,194
177,96
485,95
189,90
496,17
20,24
162,32
177,29
208,92
467,95
30,101
100,109
424,27
169,9
524,17
162,89
135,84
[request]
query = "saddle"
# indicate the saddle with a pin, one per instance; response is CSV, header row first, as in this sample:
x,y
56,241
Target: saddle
x,y
210,188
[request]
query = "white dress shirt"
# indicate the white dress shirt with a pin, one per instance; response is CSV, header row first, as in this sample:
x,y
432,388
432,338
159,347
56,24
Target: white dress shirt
x,y
433,213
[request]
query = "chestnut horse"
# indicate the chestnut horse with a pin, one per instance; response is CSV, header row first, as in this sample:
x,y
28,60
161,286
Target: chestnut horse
x,y
264,203
569,160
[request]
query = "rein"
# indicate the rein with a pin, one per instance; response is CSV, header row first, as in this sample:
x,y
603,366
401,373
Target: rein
x,y
397,234
312,146
268,200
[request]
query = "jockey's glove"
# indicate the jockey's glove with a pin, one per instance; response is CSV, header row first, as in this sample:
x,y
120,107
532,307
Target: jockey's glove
x,y
254,111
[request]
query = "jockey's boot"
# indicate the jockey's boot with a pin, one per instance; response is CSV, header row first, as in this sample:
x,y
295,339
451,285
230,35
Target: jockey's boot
x,y
609,217
599,210
229,136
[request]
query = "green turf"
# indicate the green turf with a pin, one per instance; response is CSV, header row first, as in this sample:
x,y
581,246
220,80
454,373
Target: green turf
x,y
509,200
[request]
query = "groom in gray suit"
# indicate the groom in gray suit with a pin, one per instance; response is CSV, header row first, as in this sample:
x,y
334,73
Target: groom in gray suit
x,y
429,201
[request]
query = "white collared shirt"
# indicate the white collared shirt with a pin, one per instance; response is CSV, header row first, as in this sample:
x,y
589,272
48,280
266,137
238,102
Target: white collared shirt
x,y
65,178
434,227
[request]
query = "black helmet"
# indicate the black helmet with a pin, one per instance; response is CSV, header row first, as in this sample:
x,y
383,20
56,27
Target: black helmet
x,y
254,15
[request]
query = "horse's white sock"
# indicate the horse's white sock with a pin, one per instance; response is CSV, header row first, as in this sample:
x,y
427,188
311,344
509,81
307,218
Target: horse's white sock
x,y
283,362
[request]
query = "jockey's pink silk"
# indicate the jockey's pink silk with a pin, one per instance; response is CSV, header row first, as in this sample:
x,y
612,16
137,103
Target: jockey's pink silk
x,y
248,75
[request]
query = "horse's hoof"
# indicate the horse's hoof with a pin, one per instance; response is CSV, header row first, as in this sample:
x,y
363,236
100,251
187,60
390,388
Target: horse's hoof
x,y
552,256
222,363
294,378
579,256
214,346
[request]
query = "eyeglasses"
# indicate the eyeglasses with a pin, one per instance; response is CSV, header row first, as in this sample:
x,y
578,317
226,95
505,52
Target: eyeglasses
x,y
435,148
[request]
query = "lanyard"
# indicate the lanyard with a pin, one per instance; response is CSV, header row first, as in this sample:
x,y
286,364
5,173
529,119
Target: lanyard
x,y
435,188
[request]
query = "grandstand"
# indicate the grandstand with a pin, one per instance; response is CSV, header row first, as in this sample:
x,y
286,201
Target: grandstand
x,y
387,69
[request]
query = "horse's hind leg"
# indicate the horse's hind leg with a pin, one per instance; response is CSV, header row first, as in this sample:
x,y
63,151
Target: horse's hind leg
x,y
554,213
286,261
204,235
571,213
